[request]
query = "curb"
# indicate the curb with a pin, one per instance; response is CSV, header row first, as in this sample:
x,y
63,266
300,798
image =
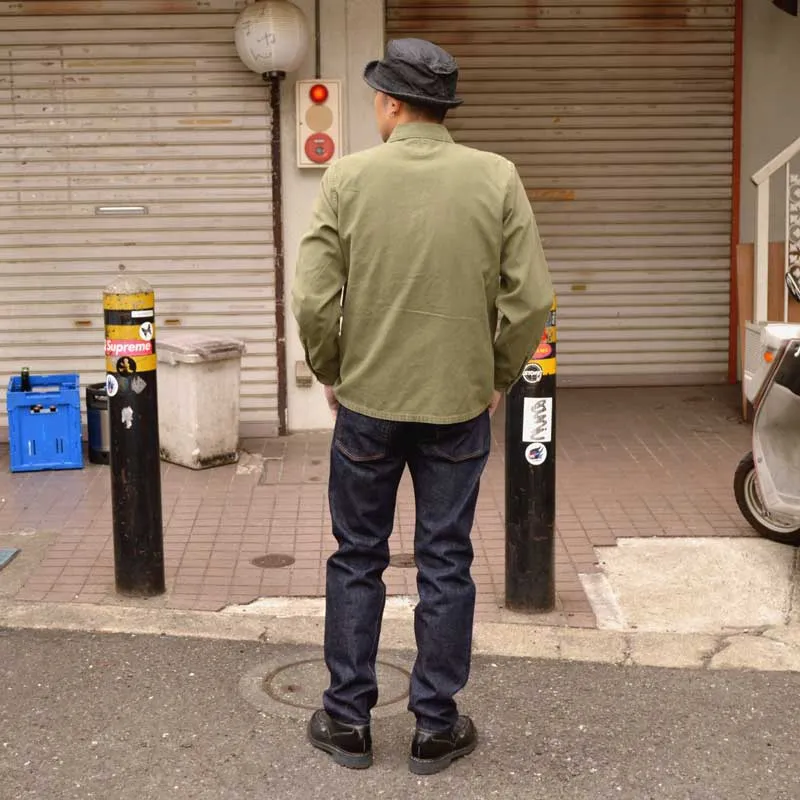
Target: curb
x,y
775,649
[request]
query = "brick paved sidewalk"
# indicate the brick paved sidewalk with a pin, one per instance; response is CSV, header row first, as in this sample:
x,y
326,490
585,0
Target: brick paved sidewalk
x,y
631,462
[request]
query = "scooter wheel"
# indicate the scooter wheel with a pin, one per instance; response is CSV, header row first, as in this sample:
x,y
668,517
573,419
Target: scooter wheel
x,y
748,497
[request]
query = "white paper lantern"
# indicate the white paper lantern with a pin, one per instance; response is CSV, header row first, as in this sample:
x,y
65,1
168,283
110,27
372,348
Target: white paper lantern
x,y
272,36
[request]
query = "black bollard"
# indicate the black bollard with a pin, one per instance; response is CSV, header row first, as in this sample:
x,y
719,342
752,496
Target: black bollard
x,y
130,349
531,480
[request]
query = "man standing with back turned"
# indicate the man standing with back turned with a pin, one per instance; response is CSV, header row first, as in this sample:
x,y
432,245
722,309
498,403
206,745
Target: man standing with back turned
x,y
432,243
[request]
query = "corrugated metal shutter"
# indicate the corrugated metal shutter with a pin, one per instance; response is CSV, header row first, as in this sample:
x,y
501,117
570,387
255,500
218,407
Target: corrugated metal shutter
x,y
619,116
119,103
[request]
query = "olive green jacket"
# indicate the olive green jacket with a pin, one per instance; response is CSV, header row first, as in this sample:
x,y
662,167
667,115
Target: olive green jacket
x,y
431,242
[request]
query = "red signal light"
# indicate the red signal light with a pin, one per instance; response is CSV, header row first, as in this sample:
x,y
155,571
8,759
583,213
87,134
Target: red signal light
x,y
318,93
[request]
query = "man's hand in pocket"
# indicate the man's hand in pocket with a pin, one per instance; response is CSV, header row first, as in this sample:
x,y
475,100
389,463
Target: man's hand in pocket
x,y
333,403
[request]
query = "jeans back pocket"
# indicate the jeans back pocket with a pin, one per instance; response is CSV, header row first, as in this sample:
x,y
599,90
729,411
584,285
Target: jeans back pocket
x,y
463,441
360,438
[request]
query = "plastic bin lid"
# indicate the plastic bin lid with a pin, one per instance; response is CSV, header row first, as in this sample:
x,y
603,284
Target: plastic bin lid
x,y
194,348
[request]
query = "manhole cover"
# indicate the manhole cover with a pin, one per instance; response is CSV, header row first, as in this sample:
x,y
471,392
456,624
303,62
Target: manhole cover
x,y
403,560
301,684
295,690
273,561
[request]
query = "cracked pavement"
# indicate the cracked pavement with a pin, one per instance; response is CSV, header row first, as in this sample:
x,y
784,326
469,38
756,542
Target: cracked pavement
x,y
147,717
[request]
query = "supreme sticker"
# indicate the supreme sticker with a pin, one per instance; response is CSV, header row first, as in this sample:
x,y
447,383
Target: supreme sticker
x,y
129,347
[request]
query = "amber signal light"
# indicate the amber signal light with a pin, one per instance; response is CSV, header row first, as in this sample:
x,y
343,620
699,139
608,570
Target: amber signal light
x,y
318,93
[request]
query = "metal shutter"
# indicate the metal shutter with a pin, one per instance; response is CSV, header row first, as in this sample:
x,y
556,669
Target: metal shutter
x,y
133,103
619,116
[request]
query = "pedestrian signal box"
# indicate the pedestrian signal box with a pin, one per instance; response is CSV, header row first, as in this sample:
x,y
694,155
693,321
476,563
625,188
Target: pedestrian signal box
x,y
319,125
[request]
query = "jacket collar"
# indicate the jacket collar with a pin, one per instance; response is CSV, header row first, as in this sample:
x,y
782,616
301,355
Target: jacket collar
x,y
421,130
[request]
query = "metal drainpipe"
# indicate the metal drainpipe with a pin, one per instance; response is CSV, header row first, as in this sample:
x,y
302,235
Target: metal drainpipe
x,y
274,79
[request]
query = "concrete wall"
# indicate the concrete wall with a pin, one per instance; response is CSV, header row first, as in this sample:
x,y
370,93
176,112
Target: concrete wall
x,y
352,34
770,104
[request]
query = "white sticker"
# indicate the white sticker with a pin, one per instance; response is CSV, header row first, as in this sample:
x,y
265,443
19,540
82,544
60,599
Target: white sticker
x,y
127,417
146,331
537,419
532,373
138,385
142,313
536,454
112,385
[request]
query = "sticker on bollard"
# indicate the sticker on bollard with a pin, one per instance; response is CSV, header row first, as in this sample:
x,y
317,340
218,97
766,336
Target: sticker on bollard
x,y
536,454
537,419
130,350
112,385
123,352
532,373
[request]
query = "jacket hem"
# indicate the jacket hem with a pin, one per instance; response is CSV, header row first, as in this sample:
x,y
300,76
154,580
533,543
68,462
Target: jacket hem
x,y
428,419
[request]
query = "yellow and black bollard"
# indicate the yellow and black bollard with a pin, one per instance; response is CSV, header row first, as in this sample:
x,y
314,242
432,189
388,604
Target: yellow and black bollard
x,y
130,349
531,480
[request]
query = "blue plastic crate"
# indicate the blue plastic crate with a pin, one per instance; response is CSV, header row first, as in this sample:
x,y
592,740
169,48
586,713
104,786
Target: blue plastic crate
x,y
44,425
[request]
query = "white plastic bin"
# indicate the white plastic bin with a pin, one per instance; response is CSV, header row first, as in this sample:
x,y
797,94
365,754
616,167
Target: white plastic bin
x,y
198,399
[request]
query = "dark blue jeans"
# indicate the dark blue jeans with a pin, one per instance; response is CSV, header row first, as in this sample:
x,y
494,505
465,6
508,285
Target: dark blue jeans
x,y
368,457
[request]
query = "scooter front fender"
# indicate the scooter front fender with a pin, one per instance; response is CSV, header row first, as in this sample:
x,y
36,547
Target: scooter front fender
x,y
776,434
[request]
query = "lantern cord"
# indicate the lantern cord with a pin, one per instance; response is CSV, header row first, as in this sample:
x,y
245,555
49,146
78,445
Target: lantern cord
x,y
317,42
274,79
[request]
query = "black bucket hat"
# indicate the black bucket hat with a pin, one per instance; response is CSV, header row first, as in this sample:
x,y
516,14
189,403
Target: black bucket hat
x,y
416,71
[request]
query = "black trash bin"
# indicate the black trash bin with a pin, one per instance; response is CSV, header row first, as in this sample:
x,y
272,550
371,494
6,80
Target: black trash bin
x,y
98,423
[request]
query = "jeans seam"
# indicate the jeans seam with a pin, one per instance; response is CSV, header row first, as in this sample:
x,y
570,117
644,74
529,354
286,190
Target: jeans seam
x,y
460,459
359,459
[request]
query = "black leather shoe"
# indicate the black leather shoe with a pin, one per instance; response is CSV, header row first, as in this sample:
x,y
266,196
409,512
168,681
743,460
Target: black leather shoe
x,y
433,752
348,745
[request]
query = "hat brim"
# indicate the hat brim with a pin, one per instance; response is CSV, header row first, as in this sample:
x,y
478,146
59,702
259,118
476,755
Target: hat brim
x,y
373,82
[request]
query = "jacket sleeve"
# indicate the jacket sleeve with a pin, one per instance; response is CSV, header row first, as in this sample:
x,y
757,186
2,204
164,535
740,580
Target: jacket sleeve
x,y
320,277
526,291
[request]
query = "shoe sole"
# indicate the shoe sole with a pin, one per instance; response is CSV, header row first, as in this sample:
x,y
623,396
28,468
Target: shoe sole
x,y
343,758
430,766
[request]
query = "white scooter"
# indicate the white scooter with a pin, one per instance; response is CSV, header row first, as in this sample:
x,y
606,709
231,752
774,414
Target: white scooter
x,y
767,480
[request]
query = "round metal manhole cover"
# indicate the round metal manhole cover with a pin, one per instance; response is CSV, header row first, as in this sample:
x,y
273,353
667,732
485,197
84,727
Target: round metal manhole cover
x,y
295,690
273,561
403,561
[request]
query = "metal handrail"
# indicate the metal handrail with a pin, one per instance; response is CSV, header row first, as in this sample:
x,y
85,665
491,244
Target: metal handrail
x,y
762,181
780,160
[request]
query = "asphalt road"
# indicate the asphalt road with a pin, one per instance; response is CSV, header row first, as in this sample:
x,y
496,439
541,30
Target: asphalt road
x,y
121,717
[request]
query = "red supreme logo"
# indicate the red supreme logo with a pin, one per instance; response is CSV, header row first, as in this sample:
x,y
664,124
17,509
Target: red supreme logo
x,y
130,347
